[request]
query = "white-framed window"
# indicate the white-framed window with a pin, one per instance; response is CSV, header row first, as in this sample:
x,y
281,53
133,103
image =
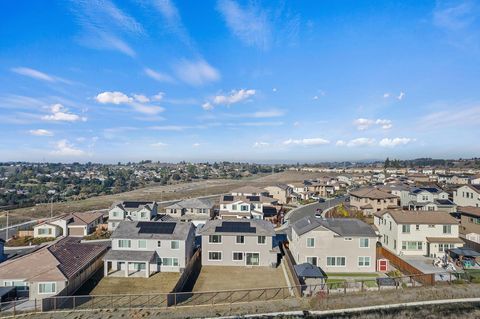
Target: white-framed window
x,y
312,260
44,231
159,243
417,227
47,287
334,261
262,240
244,208
405,229
124,243
175,244
412,245
215,239
240,239
234,207
310,242
170,261
237,255
142,244
364,261
214,255
444,247
364,242
447,229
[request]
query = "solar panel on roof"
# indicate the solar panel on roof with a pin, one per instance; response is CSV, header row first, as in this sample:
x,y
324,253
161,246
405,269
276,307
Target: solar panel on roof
x,y
228,198
235,227
156,227
253,198
134,204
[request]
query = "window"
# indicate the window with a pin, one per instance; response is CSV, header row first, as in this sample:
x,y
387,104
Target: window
x,y
364,261
262,240
169,261
417,227
412,245
364,243
215,239
244,208
237,256
234,207
214,255
142,244
159,243
310,242
444,247
336,261
394,244
143,215
312,260
240,240
174,244
124,243
348,239
44,231
405,229
47,287
447,229
431,226
20,285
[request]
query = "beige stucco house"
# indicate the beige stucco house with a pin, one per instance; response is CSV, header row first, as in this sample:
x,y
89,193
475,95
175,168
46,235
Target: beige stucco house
x,y
334,245
467,195
372,199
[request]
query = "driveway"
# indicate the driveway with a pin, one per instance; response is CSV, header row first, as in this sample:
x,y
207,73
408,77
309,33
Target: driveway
x,y
310,209
425,265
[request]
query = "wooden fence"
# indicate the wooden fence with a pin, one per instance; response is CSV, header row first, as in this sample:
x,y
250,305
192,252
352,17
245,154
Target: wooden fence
x,y
405,267
290,263
188,277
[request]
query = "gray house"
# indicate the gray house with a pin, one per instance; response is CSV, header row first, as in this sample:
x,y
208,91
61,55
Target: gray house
x,y
143,248
334,245
238,243
196,210
131,210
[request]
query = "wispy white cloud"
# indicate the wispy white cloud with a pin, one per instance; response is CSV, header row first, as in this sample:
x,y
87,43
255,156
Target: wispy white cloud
x,y
451,116
235,96
158,144
401,96
341,143
392,142
454,15
103,23
41,132
386,95
137,102
250,23
159,76
361,141
172,20
261,144
159,96
363,123
196,73
38,75
61,114
196,144
306,141
65,148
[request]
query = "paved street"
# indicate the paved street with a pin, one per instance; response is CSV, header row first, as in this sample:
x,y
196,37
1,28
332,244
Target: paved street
x,y
310,209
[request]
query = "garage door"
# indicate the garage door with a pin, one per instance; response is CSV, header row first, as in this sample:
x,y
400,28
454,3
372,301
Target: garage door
x,y
76,231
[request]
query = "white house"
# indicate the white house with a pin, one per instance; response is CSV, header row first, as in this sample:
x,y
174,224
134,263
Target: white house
x,y
417,233
131,210
256,207
467,195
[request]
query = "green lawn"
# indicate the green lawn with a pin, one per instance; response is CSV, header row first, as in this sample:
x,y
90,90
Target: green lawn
x,y
353,274
335,283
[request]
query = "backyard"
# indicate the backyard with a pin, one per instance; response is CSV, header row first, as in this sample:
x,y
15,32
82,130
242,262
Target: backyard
x,y
215,278
162,282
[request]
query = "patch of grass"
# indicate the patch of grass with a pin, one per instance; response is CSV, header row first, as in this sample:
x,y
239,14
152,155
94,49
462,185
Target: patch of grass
x,y
27,241
353,274
370,283
335,283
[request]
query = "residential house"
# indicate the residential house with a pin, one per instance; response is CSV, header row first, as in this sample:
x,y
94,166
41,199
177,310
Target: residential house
x,y
281,192
256,207
469,223
417,233
372,199
75,224
142,248
475,179
334,245
430,199
238,243
249,191
467,195
58,269
196,210
299,190
131,210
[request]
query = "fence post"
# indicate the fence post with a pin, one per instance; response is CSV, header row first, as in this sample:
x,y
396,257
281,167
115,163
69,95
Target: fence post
x,y
73,301
175,299
14,307
361,289
345,287
54,303
35,301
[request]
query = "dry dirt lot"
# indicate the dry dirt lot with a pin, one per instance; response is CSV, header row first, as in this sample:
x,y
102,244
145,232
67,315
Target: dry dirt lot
x,y
157,193
215,278
162,282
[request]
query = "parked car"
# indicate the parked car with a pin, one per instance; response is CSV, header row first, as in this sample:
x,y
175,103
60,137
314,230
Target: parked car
x,y
321,200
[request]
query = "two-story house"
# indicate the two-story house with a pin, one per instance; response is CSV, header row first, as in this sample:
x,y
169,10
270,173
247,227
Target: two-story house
x,y
467,195
249,191
469,223
372,199
256,207
430,199
281,192
142,248
196,210
334,245
131,210
417,233
238,243
75,224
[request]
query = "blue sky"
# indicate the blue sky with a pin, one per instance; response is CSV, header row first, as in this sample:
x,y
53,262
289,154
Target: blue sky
x,y
263,81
